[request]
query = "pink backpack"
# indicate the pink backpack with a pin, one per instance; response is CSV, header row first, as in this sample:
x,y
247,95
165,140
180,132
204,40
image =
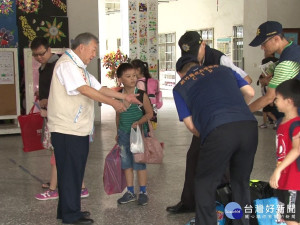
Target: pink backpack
x,y
153,91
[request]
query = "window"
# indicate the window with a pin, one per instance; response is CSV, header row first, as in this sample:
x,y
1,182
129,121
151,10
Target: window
x,y
238,43
208,36
167,59
167,51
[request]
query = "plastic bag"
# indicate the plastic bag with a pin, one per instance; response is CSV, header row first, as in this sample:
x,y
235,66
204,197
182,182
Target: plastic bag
x,y
152,147
46,136
268,213
136,141
114,180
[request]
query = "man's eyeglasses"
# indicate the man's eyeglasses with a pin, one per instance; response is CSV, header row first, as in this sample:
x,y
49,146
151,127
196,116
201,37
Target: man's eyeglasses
x,y
268,39
39,54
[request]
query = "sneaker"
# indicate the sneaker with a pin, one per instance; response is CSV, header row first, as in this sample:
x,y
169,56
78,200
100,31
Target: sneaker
x,y
275,126
143,199
192,222
263,126
47,195
84,193
127,197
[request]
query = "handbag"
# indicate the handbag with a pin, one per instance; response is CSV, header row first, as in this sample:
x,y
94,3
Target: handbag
x,y
31,130
153,150
114,180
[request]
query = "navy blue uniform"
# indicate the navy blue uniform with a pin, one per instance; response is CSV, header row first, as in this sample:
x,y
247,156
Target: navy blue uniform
x,y
228,135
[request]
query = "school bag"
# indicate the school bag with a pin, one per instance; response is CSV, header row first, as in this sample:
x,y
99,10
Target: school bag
x,y
291,130
153,91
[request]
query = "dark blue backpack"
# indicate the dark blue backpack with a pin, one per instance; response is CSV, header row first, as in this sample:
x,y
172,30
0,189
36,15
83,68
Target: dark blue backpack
x,y
291,130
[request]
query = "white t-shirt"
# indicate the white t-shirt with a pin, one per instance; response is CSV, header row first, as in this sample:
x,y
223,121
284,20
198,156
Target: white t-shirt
x,y
226,61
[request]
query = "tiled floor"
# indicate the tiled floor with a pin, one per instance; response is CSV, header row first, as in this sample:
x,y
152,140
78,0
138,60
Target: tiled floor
x,y
21,175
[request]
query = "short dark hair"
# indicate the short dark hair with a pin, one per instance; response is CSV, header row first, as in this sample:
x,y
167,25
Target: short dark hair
x,y
143,66
39,41
83,38
122,68
290,89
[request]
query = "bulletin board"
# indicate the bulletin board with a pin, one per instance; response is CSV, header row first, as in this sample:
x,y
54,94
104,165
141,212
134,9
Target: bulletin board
x,y
9,84
31,67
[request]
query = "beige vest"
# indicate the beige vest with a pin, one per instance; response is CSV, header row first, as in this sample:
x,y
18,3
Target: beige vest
x,y
69,114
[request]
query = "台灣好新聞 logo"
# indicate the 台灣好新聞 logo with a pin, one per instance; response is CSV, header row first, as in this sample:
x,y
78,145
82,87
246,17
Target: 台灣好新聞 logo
x,y
233,210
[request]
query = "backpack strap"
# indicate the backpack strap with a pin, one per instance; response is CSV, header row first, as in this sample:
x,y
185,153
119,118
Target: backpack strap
x,y
291,130
146,85
141,99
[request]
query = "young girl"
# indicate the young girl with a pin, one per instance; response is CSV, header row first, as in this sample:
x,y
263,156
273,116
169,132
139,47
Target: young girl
x,y
133,117
143,78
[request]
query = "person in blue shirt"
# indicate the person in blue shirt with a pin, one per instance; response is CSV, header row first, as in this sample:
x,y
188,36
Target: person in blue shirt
x,y
211,105
191,43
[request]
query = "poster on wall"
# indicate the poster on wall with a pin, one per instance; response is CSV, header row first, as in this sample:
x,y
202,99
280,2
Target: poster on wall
x,y
143,32
54,28
8,25
224,45
7,68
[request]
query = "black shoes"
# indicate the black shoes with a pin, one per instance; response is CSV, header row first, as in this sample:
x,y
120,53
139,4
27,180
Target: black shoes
x,y
86,214
179,208
84,220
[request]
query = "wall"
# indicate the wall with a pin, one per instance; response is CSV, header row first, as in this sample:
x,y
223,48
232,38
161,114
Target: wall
x,y
113,30
83,17
253,56
194,14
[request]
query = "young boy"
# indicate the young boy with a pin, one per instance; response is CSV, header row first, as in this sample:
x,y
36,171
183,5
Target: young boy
x,y
131,118
286,176
267,110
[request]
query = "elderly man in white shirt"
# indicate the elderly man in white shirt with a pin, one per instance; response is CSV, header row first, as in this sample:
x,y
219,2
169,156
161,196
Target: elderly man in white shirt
x,y
71,121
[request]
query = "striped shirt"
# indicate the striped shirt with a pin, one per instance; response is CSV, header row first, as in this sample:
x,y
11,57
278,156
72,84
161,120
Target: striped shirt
x,y
285,70
131,115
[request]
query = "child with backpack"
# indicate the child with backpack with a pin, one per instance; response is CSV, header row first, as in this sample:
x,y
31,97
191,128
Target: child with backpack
x,y
131,118
286,176
150,85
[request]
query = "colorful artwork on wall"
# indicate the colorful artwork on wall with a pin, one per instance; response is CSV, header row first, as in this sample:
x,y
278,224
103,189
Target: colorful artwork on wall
x,y
39,7
8,25
6,7
55,29
143,32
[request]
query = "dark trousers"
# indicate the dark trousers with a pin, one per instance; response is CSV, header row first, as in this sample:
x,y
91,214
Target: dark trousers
x,y
188,192
71,155
232,144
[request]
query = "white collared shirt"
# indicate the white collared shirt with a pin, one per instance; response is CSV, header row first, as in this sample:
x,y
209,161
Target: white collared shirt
x,y
70,76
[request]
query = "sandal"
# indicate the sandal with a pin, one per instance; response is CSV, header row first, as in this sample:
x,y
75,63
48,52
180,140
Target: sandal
x,y
46,185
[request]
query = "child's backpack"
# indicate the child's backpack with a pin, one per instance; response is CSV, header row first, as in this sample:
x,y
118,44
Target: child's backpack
x,y
153,92
291,130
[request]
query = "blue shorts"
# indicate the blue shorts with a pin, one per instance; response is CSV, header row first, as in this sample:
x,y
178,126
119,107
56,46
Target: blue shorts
x,y
126,154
